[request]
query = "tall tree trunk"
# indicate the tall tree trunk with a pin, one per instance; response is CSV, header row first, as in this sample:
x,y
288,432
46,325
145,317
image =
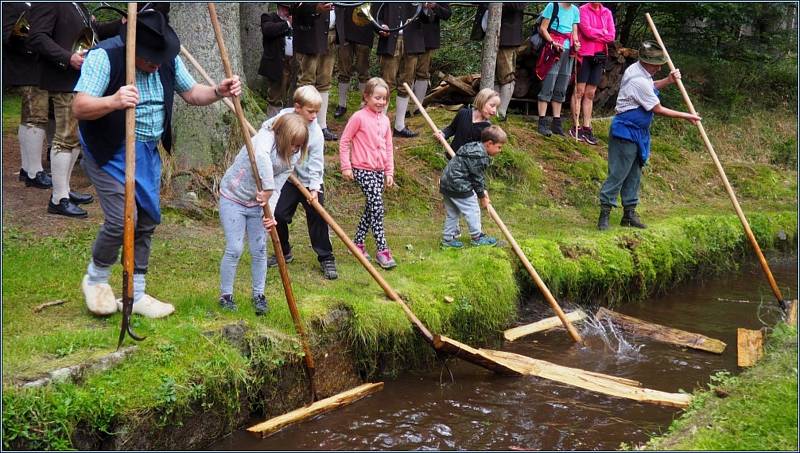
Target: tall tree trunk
x,y
490,43
250,25
631,13
202,134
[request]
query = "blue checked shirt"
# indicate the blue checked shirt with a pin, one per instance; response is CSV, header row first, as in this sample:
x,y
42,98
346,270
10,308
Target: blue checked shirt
x,y
96,72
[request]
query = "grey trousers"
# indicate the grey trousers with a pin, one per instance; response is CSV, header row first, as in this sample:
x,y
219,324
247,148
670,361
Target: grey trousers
x,y
111,194
624,173
554,85
456,207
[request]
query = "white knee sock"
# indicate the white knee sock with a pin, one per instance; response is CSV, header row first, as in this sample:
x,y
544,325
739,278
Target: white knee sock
x,y
75,153
31,143
98,274
343,88
400,113
323,110
420,88
506,91
60,165
138,287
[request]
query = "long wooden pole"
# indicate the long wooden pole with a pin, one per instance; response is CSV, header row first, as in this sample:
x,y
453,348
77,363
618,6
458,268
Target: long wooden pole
x,y
276,243
764,265
130,184
493,214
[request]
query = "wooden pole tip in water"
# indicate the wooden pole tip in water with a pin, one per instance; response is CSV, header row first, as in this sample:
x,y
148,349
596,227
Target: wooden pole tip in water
x,y
750,346
542,325
276,424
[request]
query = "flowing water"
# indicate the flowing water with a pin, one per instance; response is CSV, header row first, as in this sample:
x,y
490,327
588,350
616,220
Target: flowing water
x,y
478,410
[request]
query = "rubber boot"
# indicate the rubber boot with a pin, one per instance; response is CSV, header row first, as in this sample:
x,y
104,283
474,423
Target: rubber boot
x,y
605,213
631,219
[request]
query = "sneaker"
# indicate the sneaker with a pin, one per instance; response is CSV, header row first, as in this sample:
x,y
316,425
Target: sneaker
x,y
543,128
405,133
99,297
578,137
149,307
226,302
556,128
272,261
363,251
483,239
587,136
452,243
329,269
260,304
385,260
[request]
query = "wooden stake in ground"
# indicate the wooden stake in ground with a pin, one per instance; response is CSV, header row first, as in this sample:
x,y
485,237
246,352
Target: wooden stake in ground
x,y
749,346
750,236
276,243
130,184
661,333
493,214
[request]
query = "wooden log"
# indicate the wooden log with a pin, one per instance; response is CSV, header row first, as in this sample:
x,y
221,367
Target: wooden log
x,y
587,380
750,346
472,355
791,313
662,333
273,425
542,325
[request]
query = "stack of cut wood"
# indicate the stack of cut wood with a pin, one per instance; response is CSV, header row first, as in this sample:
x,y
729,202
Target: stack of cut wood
x,y
453,90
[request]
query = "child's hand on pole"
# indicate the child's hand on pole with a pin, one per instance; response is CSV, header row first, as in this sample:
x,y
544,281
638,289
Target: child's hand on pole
x,y
485,201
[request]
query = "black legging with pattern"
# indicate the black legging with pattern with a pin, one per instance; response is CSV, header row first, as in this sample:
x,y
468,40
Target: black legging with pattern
x,y
371,183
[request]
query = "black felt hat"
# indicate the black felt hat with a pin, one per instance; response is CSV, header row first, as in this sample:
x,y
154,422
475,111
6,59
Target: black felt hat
x,y
156,41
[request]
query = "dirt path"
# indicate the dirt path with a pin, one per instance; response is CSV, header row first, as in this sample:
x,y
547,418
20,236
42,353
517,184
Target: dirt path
x,y
26,207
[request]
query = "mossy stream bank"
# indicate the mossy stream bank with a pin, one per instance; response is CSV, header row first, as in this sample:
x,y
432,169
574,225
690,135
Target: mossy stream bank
x,y
193,382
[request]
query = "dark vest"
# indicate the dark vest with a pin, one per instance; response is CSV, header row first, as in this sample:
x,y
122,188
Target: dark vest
x,y
106,134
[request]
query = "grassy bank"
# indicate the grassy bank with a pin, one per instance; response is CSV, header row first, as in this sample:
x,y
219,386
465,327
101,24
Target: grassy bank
x,y
756,410
201,371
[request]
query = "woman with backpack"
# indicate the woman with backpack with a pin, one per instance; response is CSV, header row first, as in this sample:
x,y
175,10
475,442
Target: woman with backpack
x,y
595,30
559,29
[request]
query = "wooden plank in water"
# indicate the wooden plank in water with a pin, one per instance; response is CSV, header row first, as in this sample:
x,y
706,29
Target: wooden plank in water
x,y
596,382
274,425
750,346
662,333
472,355
542,325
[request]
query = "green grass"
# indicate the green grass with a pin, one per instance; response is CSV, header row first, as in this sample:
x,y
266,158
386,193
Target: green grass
x,y
759,414
12,106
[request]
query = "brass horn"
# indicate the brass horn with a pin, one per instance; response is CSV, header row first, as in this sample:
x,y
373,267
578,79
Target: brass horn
x,y
362,15
20,31
85,41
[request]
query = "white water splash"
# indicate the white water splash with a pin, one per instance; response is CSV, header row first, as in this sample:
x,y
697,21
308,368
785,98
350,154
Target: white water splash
x,y
612,338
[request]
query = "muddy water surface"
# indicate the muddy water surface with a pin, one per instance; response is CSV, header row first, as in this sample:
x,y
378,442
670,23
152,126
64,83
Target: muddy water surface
x,y
481,411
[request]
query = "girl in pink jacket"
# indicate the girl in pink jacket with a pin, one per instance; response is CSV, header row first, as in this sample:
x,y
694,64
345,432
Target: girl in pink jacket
x,y
595,31
366,156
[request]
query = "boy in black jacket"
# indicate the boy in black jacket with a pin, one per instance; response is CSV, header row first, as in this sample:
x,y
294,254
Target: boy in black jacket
x,y
463,182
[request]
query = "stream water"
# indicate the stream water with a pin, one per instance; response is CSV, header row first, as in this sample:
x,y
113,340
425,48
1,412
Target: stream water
x,y
481,411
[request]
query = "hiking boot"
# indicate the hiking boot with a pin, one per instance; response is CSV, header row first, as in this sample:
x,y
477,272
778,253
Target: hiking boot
x,y
329,269
363,251
631,219
66,208
605,213
226,302
40,181
577,136
556,128
543,128
329,136
260,304
587,136
452,244
405,133
339,112
483,239
272,261
385,259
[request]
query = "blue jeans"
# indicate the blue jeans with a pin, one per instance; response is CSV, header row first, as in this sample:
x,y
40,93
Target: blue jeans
x,y
624,173
456,207
236,221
